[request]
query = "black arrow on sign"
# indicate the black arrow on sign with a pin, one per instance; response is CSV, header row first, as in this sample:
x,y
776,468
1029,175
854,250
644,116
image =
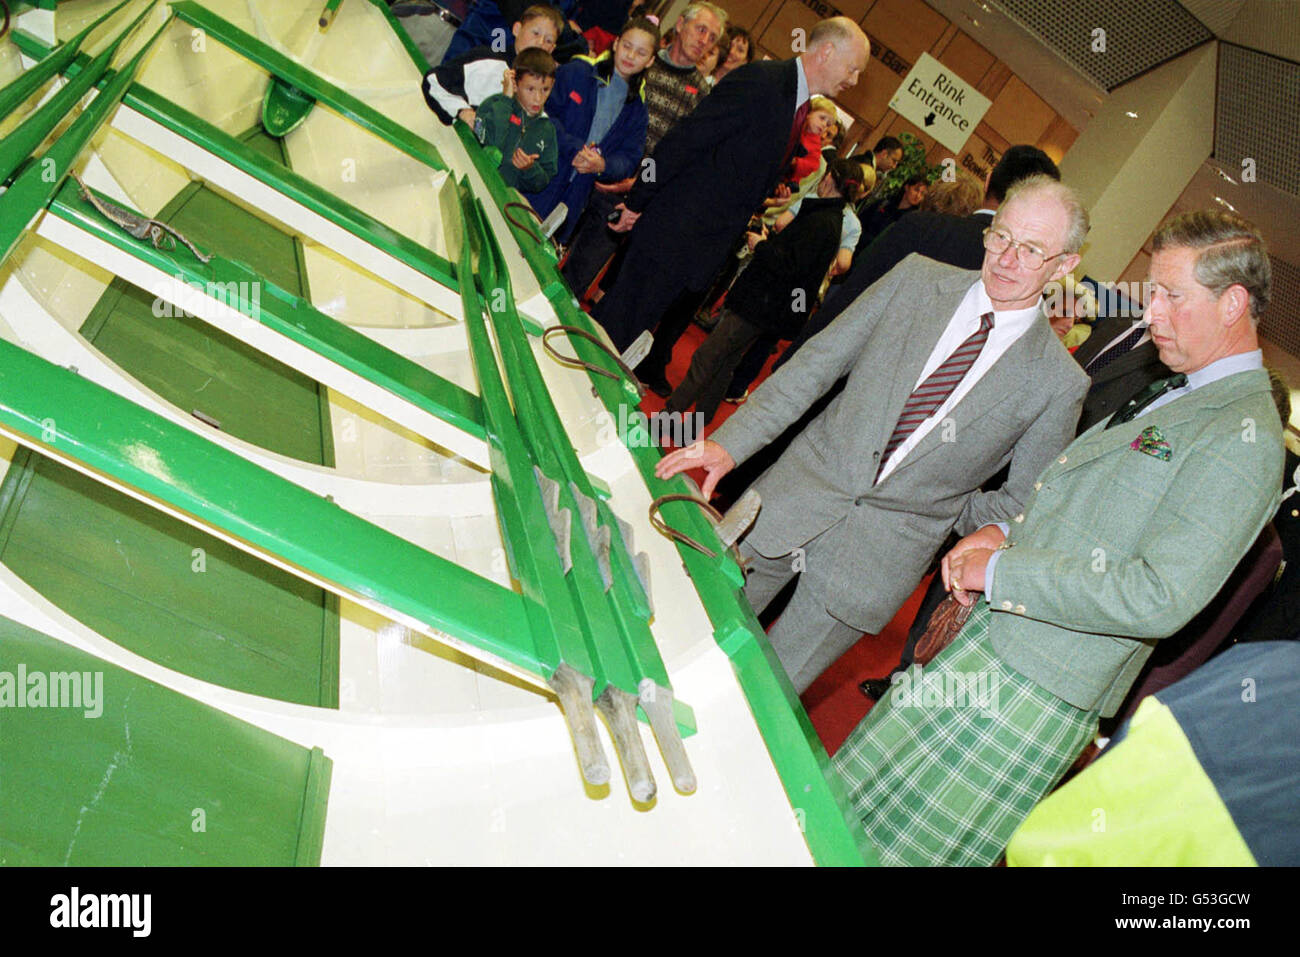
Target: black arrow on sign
x,y
929,120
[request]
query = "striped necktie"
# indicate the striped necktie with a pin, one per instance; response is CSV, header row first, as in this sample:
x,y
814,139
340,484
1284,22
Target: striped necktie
x,y
927,397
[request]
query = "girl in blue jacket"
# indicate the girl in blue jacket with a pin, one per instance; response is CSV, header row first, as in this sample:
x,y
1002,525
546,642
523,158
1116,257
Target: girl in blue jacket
x,y
598,108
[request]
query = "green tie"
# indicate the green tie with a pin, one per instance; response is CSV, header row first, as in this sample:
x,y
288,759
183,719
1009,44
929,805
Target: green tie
x,y
1144,398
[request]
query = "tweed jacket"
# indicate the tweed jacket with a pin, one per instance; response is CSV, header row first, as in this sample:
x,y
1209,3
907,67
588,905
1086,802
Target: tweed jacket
x,y
1118,547
874,541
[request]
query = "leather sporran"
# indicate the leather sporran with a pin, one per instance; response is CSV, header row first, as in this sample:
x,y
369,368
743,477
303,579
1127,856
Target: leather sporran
x,y
945,623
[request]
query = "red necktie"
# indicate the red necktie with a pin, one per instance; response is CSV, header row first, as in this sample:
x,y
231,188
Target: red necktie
x,y
796,131
934,391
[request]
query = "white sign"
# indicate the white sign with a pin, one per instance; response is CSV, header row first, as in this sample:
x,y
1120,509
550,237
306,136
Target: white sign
x,y
940,102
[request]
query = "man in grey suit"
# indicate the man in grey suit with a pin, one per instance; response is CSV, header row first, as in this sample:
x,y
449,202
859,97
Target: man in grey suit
x,y
1126,535
951,375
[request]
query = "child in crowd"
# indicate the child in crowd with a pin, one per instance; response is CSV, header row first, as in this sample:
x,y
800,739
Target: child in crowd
x,y
774,295
807,167
600,116
458,86
514,123
487,20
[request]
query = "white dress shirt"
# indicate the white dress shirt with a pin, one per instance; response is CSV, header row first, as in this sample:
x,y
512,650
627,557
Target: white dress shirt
x,y
1007,328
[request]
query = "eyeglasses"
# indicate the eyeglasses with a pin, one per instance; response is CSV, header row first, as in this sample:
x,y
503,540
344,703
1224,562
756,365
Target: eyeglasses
x,y
1031,257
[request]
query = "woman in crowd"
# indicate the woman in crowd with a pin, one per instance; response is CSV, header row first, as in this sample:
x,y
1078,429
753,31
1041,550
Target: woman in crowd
x,y
736,48
888,211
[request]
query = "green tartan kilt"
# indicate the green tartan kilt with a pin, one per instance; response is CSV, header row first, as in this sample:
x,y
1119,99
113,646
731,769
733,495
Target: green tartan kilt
x,y
945,767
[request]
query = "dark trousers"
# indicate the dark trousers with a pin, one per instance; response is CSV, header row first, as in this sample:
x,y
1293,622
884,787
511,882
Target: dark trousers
x,y
645,291
830,308
675,321
712,365
593,242
752,364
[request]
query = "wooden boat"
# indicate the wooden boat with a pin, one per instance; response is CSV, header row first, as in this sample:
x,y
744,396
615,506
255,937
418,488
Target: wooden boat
x,y
325,519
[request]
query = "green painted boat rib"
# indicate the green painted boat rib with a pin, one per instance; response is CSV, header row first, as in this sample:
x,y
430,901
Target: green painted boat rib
x,y
18,145
815,791
298,188
25,84
36,184
142,775
620,609
279,65
607,601
276,175
65,417
245,289
201,369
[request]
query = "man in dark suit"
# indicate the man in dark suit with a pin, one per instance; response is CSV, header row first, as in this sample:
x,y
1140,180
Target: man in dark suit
x,y
1120,358
713,170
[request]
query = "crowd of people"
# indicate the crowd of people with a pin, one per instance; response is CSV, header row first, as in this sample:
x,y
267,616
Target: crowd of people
x,y
1084,484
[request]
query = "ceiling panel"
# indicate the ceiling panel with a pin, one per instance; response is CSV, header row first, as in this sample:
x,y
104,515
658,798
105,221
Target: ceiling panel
x,y
1256,116
1138,34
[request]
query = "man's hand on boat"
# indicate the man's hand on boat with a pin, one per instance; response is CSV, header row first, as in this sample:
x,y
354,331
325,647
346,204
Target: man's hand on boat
x,y
468,116
626,220
706,454
522,160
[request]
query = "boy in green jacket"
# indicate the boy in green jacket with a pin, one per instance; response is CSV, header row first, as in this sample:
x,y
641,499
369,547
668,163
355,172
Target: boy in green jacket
x,y
513,122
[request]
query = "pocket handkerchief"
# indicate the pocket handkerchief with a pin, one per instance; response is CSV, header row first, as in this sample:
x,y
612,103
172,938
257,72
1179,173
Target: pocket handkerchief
x,y
1152,442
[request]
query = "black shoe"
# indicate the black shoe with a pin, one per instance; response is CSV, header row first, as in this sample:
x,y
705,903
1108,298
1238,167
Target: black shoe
x,y
706,321
875,688
660,386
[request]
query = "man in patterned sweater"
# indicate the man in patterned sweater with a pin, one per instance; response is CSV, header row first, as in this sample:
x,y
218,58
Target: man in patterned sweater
x,y
673,86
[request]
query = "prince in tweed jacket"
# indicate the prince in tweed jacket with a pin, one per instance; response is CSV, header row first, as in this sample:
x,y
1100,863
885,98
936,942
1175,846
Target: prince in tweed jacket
x,y
1130,532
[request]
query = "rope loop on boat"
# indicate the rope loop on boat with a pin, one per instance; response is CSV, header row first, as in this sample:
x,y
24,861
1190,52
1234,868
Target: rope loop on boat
x,y
526,227
665,529
161,235
576,363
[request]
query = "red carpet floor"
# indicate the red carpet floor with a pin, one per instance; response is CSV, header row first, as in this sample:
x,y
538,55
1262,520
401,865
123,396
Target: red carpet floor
x,y
834,702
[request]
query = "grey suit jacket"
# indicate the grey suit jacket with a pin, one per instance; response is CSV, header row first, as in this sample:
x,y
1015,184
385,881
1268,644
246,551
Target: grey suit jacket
x,y
1117,548
868,545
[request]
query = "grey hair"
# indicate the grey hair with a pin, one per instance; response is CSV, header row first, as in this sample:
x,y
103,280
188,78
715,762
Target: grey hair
x,y
1232,253
695,9
1076,229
